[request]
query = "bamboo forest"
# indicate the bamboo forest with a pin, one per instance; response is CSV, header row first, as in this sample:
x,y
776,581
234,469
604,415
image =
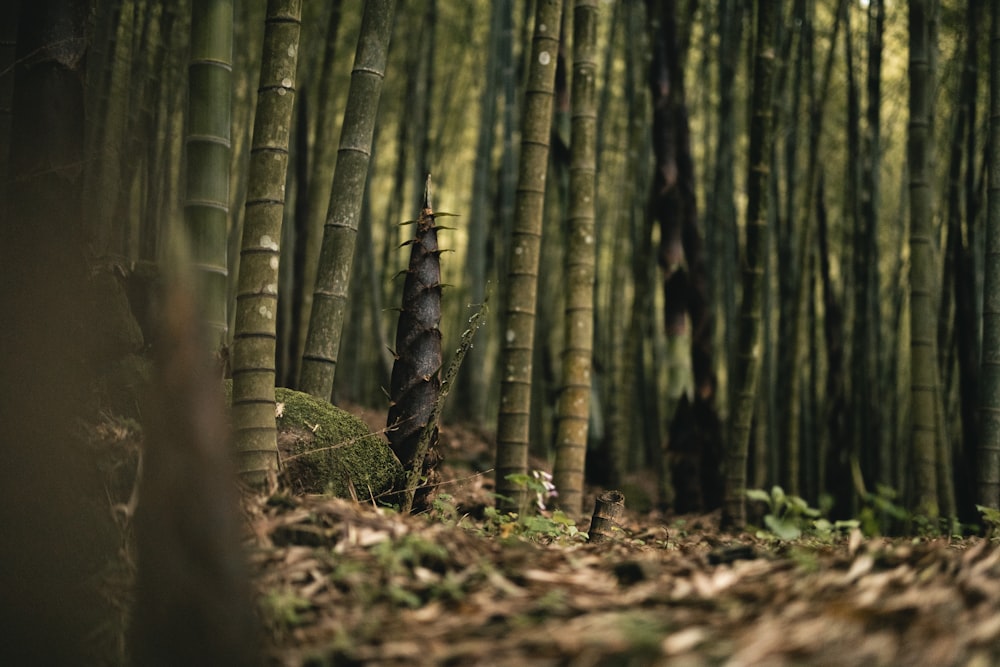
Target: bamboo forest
x,y
500,332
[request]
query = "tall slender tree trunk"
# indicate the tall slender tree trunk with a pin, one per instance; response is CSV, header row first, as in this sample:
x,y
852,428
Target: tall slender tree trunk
x,y
989,443
295,239
206,210
162,175
628,413
751,324
923,285
835,474
514,418
791,359
876,448
365,368
253,353
721,227
476,385
694,446
573,413
319,361
811,205
322,166
111,84
856,260
507,193
549,309
960,255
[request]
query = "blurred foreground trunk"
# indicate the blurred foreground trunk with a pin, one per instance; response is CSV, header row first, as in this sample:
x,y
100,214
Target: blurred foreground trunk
x,y
193,603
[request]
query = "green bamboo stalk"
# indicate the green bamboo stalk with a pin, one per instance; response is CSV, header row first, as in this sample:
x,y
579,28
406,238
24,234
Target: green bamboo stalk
x,y
206,207
923,284
573,412
253,348
751,324
475,386
514,417
989,442
323,161
319,361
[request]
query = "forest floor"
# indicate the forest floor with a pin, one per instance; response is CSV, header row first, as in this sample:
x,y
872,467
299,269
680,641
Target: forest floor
x,y
346,583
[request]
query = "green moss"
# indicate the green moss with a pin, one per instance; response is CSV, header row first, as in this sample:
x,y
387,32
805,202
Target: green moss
x,y
325,449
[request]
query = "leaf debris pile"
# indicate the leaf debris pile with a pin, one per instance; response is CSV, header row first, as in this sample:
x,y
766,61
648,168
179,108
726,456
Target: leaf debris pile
x,y
347,583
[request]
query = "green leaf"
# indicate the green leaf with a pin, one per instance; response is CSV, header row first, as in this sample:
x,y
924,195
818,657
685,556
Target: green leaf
x,y
885,491
519,478
989,514
822,526
785,530
558,516
801,507
401,596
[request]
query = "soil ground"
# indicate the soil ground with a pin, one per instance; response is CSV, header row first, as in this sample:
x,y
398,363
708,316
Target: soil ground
x,y
348,584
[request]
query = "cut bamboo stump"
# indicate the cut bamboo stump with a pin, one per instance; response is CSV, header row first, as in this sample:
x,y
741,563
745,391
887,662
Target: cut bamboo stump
x,y
608,509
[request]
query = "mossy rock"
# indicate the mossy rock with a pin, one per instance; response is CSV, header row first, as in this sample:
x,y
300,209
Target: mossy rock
x,y
327,450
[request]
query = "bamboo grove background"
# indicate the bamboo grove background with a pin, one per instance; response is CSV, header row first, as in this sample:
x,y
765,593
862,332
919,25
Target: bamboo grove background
x,y
852,274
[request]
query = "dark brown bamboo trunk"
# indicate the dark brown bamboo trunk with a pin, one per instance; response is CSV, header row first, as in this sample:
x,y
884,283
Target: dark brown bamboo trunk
x,y
695,435
837,464
960,254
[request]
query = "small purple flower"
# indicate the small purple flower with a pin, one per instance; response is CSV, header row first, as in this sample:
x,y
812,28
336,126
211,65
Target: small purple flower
x,y
544,490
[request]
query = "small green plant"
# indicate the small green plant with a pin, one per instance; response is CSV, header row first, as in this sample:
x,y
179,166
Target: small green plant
x,y
538,485
444,509
450,588
497,523
548,528
402,555
787,515
882,513
881,510
825,529
402,597
991,518
534,521
284,608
